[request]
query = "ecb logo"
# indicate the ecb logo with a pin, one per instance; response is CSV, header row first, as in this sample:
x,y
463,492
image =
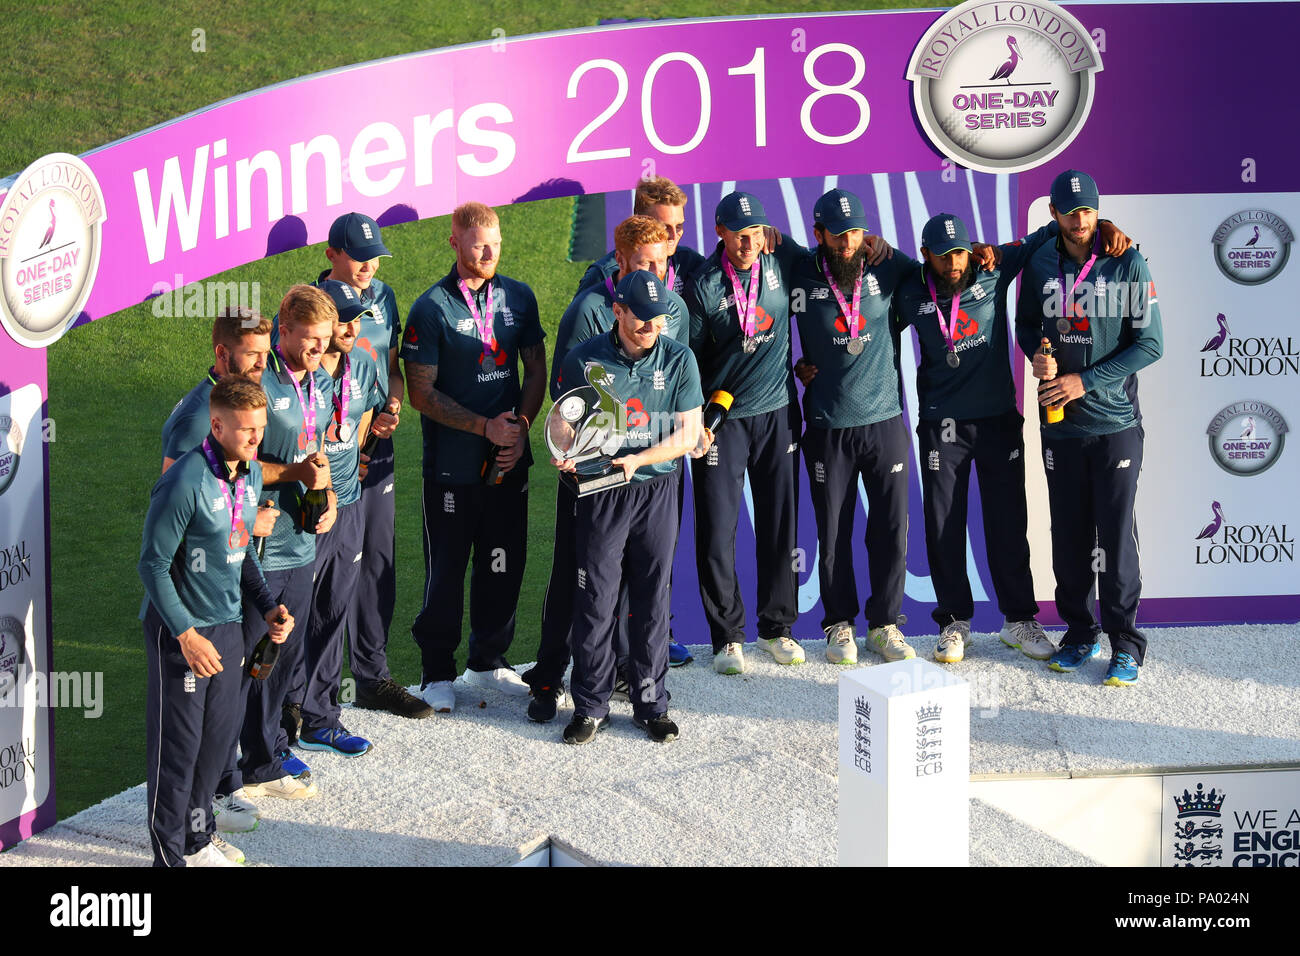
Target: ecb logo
x,y
1003,87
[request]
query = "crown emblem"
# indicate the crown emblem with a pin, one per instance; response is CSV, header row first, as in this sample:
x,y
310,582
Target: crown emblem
x,y
931,712
1200,805
863,707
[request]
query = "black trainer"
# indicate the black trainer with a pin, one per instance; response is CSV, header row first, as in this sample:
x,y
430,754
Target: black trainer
x,y
393,697
581,729
660,728
545,703
291,721
621,690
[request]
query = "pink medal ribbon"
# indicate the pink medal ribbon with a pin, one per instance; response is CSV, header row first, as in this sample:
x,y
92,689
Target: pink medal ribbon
x,y
308,409
1064,322
672,276
953,360
482,321
852,317
236,504
748,315
343,398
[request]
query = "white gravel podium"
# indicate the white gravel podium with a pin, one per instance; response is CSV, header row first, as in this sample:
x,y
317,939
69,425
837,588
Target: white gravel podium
x,y
904,766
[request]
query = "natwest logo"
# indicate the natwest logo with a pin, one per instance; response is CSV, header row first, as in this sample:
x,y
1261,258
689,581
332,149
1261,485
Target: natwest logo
x,y
1003,87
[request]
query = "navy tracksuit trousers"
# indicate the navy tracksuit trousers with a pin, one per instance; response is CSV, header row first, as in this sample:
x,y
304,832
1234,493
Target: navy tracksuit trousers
x,y
1091,489
334,592
372,616
491,521
766,446
262,741
997,448
626,534
835,459
190,723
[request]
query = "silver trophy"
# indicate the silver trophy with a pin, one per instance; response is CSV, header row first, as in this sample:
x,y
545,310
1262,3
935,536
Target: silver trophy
x,y
588,426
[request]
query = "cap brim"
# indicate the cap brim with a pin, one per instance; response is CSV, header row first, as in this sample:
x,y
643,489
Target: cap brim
x,y
846,225
1066,212
948,246
735,225
366,253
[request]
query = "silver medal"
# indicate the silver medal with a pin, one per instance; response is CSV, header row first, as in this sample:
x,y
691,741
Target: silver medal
x,y
233,540
749,344
487,362
1062,324
855,346
345,431
953,360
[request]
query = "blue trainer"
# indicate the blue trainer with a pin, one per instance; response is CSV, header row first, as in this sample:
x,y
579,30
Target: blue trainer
x,y
678,654
295,767
335,739
1123,670
1073,656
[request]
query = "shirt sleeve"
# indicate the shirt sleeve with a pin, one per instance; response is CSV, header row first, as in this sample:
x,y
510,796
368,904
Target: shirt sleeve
x,y
421,342
788,255
1016,254
1143,331
171,506
388,301
189,427
689,395
531,332
1029,318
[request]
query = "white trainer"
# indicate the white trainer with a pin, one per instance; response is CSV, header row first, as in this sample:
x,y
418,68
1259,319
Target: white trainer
x,y
232,853
842,644
784,650
888,642
240,799
730,660
440,696
208,856
286,788
503,679
953,641
231,817
1030,637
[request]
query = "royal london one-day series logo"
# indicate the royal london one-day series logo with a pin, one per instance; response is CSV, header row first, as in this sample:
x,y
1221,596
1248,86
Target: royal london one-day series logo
x,y
1252,246
51,232
1003,87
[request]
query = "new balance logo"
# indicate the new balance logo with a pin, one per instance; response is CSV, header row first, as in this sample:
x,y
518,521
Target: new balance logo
x,y
449,503
794,447
1015,453
465,325
1124,463
582,578
280,404
898,467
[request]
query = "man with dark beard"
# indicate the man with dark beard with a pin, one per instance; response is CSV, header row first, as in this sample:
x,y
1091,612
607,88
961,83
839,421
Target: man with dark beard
x,y
849,369
967,413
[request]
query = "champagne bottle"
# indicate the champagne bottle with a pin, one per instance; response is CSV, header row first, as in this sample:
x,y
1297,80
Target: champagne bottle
x,y
715,412
491,471
265,654
368,449
1054,413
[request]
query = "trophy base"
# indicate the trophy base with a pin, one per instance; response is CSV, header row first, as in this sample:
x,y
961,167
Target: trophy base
x,y
589,484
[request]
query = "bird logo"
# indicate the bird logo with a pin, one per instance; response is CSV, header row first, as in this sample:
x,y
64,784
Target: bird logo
x,y
1006,69
1215,341
1211,529
1249,242
49,233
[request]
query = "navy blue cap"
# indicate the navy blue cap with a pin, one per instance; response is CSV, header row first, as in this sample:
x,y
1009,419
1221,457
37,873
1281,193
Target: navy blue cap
x,y
739,211
644,294
357,235
838,211
944,233
345,299
1074,190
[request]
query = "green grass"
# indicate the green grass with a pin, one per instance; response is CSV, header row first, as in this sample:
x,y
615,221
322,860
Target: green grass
x,y
83,75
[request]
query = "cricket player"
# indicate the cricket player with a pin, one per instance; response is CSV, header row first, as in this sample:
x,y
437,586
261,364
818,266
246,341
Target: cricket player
x,y
627,535
195,559
464,340
1099,313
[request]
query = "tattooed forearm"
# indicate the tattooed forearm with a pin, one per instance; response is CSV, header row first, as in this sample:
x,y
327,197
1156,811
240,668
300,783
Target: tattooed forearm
x,y
429,401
